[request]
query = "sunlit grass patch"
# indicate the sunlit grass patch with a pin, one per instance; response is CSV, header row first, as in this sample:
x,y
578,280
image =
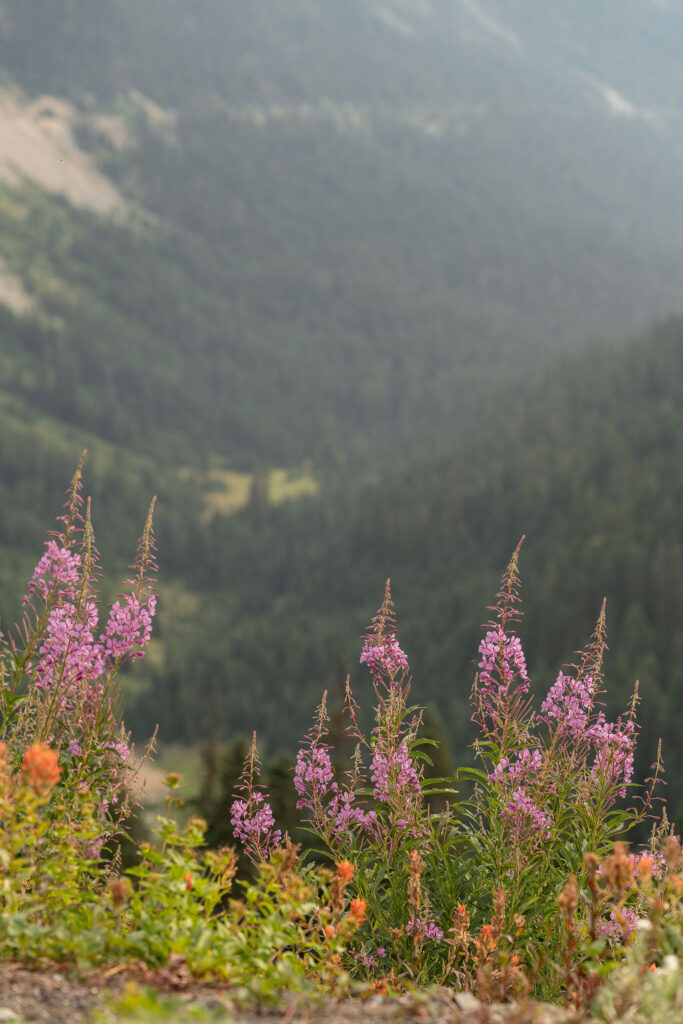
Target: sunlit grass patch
x,y
290,485
226,491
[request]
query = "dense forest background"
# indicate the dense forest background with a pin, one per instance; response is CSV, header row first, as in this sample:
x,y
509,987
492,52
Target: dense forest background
x,y
358,289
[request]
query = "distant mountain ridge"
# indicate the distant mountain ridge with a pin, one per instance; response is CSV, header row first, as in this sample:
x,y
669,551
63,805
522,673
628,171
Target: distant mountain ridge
x,y
484,171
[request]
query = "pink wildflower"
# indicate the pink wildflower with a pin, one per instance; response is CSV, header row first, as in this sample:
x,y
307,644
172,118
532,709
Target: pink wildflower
x,y
568,705
614,743
122,749
253,823
313,772
502,659
528,762
620,925
427,929
524,815
344,812
129,627
251,816
58,567
384,657
369,959
394,774
69,654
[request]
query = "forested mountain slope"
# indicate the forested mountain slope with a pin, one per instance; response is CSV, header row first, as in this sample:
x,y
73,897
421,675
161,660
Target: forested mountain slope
x,y
346,217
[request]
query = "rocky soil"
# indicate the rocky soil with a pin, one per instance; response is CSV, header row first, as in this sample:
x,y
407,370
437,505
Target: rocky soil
x,y
51,996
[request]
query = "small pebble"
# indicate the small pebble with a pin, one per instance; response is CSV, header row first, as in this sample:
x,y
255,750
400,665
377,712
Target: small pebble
x,y
213,1003
467,1002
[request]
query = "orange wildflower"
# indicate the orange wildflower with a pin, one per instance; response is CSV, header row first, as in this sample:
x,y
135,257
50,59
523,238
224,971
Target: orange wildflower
x,y
357,910
345,871
646,865
40,768
330,931
189,882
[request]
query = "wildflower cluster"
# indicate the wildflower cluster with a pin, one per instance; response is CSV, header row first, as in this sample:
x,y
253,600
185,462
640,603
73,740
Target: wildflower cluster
x,y
556,777
550,788
427,929
568,710
484,958
60,682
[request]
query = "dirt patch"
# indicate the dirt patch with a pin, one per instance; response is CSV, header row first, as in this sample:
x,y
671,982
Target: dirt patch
x,y
114,129
47,996
53,995
13,294
157,116
37,144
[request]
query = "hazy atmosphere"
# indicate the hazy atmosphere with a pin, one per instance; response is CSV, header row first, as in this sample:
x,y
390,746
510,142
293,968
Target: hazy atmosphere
x,y
357,289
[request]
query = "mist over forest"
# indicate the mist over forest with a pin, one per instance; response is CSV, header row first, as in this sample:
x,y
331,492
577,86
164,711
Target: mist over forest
x,y
359,289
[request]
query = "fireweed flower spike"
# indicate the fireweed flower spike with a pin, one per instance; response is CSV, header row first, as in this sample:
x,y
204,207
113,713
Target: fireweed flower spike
x,y
395,777
251,816
75,667
381,651
129,627
500,688
569,711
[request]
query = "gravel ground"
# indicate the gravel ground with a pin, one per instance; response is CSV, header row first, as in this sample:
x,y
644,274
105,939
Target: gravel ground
x,y
50,996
